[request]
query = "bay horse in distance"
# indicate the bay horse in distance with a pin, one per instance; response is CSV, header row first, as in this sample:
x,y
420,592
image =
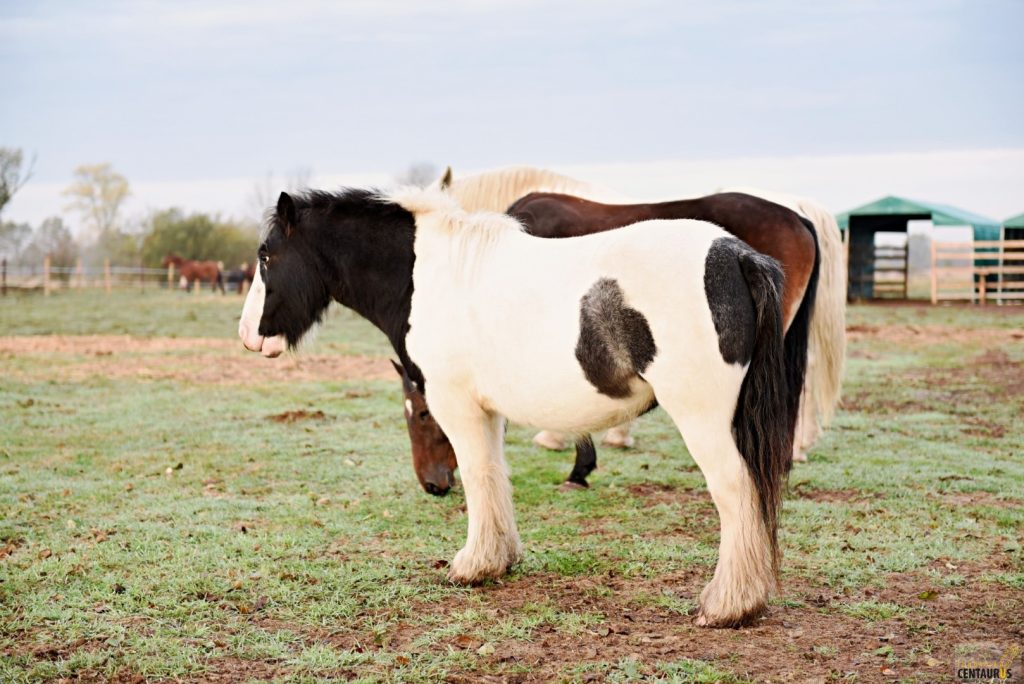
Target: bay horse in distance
x,y
196,272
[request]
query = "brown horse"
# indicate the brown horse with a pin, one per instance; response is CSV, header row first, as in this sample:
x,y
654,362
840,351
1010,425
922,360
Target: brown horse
x,y
196,272
766,226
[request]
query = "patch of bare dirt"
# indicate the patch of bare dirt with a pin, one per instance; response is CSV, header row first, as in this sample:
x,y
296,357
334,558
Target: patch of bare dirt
x,y
831,495
212,361
933,334
655,493
105,345
1002,373
809,638
295,416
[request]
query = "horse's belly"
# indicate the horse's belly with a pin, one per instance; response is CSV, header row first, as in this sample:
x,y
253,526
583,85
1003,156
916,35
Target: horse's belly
x,y
572,406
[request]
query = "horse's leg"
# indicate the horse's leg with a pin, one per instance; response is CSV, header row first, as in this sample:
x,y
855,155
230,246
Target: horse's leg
x,y
619,436
745,574
492,542
586,462
807,429
549,439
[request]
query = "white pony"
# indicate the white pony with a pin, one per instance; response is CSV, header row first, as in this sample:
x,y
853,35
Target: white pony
x,y
497,190
685,315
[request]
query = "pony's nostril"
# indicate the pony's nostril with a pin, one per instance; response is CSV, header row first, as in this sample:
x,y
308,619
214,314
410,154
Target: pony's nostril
x,y
436,490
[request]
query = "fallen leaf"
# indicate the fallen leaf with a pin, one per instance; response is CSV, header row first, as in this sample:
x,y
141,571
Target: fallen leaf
x,y
401,660
485,650
438,564
888,672
466,641
44,554
323,501
928,595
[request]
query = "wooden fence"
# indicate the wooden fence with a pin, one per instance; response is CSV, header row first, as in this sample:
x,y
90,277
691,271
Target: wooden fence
x,y
48,278
979,271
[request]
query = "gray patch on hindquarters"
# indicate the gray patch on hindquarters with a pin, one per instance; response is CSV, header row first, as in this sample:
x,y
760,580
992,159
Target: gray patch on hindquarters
x,y
615,343
732,308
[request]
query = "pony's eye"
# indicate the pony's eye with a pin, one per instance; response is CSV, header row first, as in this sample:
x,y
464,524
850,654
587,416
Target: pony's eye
x,y
424,415
264,258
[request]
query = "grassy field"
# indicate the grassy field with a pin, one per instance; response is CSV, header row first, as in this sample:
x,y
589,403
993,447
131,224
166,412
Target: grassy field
x,y
173,508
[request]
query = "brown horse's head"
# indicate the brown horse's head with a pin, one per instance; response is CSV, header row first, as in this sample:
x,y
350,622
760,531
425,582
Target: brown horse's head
x,y
433,457
171,258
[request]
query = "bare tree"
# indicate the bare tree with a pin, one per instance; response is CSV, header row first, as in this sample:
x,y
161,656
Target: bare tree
x,y
12,176
97,195
420,174
264,193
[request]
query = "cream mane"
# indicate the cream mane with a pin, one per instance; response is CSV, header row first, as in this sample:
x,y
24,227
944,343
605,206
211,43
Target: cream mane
x,y
497,190
442,211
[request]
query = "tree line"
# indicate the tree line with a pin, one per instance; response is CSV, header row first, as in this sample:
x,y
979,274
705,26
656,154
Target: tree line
x,y
97,196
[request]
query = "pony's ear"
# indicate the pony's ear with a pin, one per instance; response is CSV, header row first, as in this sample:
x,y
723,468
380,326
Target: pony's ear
x,y
286,213
446,179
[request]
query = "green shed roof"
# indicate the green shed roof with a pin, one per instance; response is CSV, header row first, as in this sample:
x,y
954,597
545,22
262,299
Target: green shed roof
x,y
1015,222
942,215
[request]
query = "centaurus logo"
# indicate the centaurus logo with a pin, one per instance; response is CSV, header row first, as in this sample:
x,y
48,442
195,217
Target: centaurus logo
x,y
978,667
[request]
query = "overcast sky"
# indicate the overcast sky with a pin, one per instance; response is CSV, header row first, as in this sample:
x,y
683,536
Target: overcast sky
x,y
194,101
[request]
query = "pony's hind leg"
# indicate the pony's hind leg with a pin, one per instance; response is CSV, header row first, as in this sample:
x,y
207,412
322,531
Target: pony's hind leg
x,y
492,542
745,575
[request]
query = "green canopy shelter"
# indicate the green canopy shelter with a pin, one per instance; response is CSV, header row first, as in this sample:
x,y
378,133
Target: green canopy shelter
x,y
1013,228
890,215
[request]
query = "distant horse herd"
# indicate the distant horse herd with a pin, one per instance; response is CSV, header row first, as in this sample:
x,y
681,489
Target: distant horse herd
x,y
194,273
528,296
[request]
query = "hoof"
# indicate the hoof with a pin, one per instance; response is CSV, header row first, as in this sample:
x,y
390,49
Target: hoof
x,y
570,486
618,441
730,621
549,440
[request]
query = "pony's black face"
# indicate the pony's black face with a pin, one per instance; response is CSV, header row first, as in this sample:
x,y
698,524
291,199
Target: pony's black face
x,y
296,292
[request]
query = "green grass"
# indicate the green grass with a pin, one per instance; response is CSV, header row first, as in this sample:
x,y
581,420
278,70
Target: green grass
x,y
168,529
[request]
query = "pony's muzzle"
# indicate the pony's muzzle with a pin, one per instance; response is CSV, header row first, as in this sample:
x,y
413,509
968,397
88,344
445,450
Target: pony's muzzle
x,y
439,481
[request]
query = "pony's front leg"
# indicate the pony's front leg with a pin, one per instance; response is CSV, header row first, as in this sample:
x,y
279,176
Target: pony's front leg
x,y
492,544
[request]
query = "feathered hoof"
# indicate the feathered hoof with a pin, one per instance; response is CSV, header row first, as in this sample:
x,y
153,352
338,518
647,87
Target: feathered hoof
x,y
618,439
550,440
470,568
739,610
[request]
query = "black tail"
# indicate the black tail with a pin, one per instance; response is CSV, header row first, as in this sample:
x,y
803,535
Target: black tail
x,y
795,344
761,422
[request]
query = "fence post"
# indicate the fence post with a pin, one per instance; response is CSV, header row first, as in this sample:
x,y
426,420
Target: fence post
x,y
935,275
79,274
170,277
3,278
46,276
106,274
198,285
982,286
